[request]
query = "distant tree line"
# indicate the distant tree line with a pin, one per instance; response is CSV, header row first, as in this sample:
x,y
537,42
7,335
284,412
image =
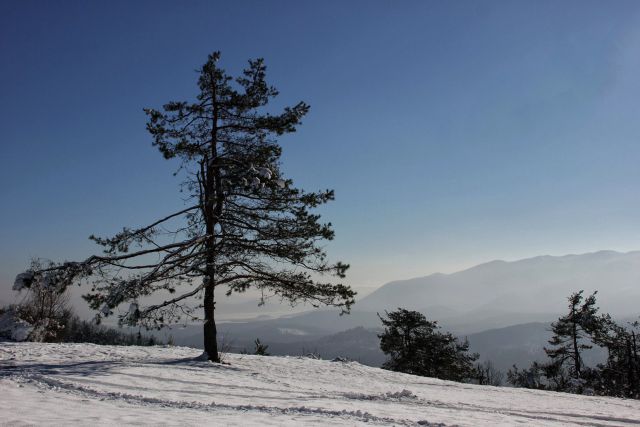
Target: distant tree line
x,y
415,345
48,314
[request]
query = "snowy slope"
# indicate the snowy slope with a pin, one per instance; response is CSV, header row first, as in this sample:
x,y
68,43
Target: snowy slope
x,y
61,384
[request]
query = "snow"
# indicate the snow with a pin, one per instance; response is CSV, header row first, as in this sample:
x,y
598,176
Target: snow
x,y
82,384
14,328
265,173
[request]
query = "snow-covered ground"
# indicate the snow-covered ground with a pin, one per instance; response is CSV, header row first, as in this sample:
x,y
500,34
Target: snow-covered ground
x,y
62,384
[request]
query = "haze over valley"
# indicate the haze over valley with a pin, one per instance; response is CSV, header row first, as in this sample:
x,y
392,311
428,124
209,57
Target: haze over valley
x,y
503,308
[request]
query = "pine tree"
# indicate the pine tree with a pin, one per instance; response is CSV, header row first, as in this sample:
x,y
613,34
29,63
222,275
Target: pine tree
x,y
620,375
246,225
260,349
416,346
571,332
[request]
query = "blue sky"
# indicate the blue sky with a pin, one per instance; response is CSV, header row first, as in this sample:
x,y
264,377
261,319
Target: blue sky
x,y
452,132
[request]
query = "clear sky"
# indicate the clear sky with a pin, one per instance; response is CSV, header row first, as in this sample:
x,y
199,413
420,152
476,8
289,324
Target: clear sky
x,y
453,132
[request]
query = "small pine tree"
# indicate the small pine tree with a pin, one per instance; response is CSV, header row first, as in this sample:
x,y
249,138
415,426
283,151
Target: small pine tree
x,y
260,349
572,332
416,346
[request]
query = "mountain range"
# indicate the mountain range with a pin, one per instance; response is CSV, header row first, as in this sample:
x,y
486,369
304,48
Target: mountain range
x,y
534,285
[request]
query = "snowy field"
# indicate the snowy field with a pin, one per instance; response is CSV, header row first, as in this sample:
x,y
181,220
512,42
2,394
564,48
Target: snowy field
x,y
85,384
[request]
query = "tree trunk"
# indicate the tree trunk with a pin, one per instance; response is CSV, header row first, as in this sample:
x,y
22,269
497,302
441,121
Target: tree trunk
x,y
213,199
630,373
576,351
634,361
210,332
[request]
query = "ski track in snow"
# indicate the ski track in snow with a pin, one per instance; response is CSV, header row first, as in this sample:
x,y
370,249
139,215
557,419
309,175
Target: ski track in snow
x,y
53,384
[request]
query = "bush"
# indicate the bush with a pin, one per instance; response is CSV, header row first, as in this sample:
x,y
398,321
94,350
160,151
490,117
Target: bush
x,y
44,315
47,310
78,330
487,374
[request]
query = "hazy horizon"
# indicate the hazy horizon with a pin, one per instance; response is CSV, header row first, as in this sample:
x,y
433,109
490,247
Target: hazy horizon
x,y
275,307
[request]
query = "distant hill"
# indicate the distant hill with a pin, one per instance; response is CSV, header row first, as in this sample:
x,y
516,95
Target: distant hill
x,y
488,296
518,344
534,285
